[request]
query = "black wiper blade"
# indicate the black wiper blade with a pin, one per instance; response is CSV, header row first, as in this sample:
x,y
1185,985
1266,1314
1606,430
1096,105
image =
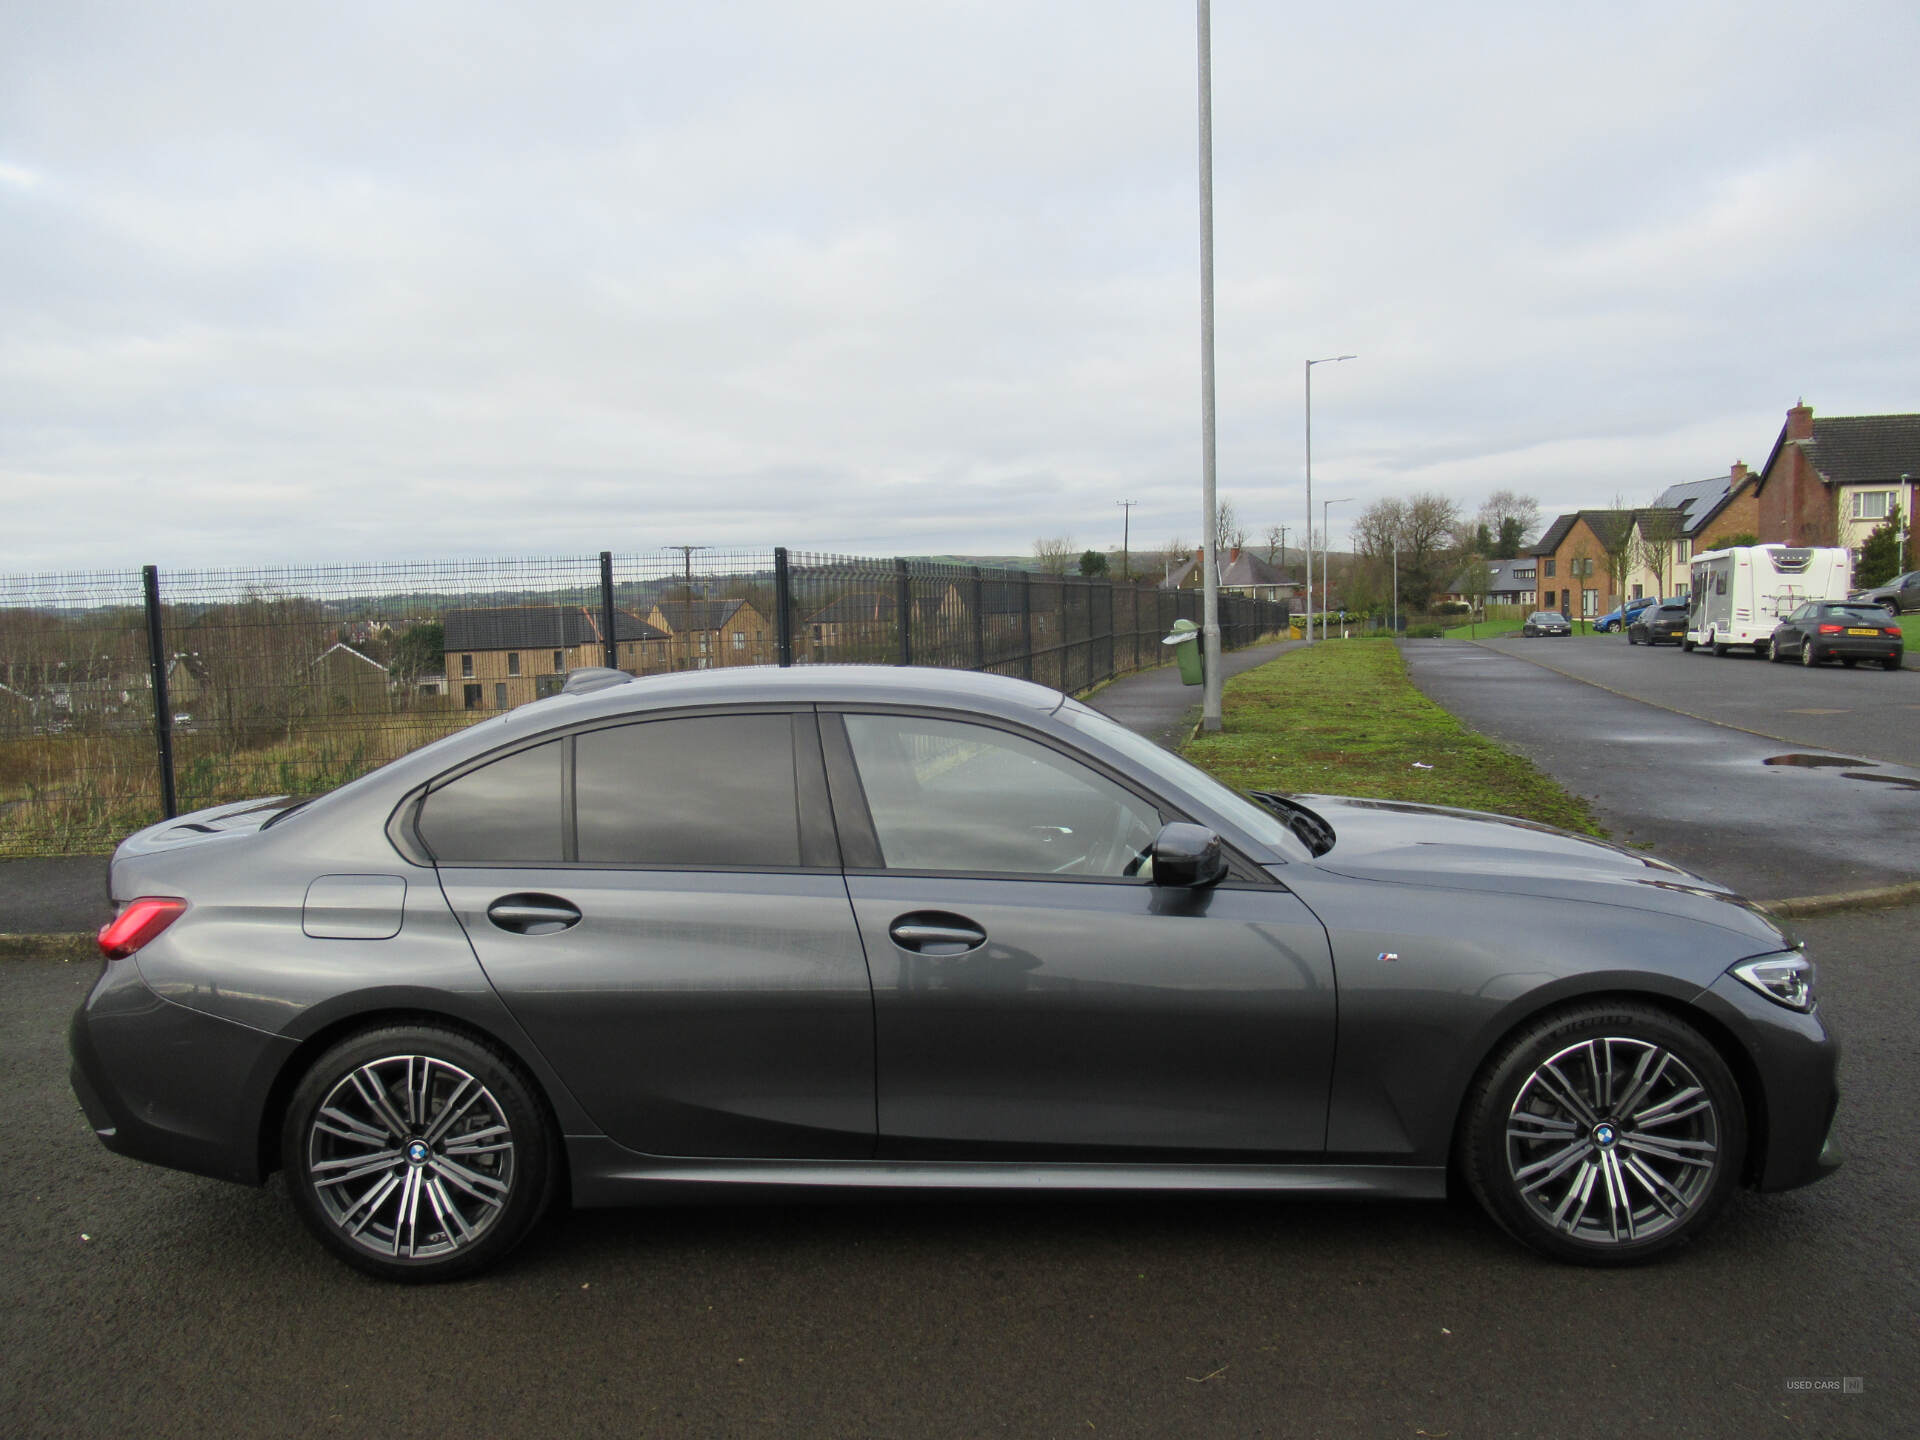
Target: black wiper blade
x,y
1311,828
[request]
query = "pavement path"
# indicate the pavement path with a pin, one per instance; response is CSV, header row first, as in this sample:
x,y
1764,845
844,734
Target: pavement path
x,y
1753,813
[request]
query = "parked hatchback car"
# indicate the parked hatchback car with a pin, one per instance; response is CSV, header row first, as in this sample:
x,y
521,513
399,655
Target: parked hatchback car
x,y
1546,622
1662,624
1898,594
1625,614
1832,630
851,929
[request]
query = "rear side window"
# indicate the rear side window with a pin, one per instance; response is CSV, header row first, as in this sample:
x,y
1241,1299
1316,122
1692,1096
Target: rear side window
x,y
505,813
708,790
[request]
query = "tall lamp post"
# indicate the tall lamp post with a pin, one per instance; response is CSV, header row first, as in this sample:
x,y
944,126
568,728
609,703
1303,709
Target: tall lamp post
x,y
1210,581
1126,531
1324,360
1325,589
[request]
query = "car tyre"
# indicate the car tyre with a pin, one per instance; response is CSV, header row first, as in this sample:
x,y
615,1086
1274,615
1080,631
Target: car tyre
x,y
1807,656
1763,649
1718,647
1892,662
416,1153
1604,1134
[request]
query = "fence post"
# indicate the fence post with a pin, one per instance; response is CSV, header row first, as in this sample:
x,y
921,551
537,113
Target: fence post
x,y
162,706
782,607
979,622
1026,619
903,603
609,642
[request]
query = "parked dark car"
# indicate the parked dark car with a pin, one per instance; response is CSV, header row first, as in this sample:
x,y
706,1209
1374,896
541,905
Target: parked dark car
x,y
1546,622
1898,594
1836,630
1625,614
1662,624
857,928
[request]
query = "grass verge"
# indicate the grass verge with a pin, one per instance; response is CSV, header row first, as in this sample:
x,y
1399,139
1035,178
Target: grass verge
x,y
1346,720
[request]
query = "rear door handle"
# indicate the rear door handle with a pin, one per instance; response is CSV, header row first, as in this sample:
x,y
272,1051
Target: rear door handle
x,y
532,914
935,933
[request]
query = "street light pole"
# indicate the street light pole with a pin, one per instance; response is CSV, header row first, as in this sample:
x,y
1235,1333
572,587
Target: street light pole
x,y
1324,360
1126,531
1210,581
1325,589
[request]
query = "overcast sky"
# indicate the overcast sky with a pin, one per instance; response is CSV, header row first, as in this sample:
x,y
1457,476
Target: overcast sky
x,y
400,280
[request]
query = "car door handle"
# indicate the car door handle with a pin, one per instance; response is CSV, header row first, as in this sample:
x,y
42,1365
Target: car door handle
x,y
532,914
937,934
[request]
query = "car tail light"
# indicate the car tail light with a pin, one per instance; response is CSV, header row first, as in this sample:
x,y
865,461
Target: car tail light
x,y
1831,629
138,923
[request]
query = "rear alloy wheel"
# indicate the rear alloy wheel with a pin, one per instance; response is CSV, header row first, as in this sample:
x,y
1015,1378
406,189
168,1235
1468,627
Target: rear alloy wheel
x,y
1807,656
1606,1134
417,1154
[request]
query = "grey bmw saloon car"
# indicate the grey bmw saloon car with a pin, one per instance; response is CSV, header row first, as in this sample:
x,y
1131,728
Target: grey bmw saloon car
x,y
855,929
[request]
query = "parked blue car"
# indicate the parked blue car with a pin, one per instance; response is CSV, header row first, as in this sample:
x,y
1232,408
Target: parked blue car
x,y
1625,615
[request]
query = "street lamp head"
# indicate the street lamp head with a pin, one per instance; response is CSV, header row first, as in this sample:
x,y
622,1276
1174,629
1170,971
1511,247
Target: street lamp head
x,y
1331,359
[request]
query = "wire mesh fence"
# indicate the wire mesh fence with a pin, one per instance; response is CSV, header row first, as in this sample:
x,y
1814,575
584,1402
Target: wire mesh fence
x,y
128,696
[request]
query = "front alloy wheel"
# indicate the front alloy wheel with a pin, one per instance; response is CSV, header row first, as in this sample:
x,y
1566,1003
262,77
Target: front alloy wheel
x,y
1606,1135
416,1154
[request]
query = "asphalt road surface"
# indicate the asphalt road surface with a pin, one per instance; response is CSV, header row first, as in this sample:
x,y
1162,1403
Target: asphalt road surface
x,y
1773,818
1869,714
138,1302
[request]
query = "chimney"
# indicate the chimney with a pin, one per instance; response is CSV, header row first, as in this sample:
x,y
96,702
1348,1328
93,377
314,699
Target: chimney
x,y
1738,474
1233,554
1800,422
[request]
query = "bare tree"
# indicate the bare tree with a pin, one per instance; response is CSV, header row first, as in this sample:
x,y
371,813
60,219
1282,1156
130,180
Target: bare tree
x,y
1228,532
1276,538
1416,536
1055,553
1620,542
1512,519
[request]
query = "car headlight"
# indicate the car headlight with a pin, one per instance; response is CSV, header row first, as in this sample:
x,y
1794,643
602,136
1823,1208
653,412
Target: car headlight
x,y
1784,979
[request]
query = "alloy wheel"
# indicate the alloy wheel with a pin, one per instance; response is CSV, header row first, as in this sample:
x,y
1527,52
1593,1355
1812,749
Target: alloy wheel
x,y
1613,1140
410,1157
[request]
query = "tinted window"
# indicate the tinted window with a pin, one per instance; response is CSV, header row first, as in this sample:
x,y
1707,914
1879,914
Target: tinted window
x,y
711,790
504,813
946,795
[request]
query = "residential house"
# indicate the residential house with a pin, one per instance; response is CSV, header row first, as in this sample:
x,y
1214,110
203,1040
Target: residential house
x,y
1509,582
1573,573
1710,511
703,634
345,680
1241,573
1831,482
506,656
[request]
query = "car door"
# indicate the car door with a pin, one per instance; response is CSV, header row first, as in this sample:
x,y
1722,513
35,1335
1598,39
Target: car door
x,y
1791,637
1034,993
660,905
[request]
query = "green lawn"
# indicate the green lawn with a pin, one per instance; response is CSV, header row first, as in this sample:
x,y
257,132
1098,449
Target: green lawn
x,y
1345,720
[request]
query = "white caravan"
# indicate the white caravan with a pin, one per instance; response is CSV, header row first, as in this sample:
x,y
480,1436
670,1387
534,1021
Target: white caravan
x,y
1740,594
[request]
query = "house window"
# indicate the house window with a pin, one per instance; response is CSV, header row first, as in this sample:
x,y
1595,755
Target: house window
x,y
513,662
1589,603
466,667
1871,504
1679,589
470,696
739,639
500,695
559,661
816,634
1550,564
1636,592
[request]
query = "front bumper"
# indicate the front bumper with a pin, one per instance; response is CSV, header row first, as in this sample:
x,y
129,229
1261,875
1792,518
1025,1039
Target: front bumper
x,y
169,1085
1795,1065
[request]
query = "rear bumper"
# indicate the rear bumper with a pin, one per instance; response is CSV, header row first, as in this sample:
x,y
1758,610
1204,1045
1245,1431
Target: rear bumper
x,y
1857,647
169,1085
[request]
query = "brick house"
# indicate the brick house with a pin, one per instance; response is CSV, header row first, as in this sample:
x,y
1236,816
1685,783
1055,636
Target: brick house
x,y
500,658
703,634
1572,566
1711,511
1830,482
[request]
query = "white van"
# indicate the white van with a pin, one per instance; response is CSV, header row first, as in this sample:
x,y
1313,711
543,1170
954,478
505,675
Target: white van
x,y
1740,594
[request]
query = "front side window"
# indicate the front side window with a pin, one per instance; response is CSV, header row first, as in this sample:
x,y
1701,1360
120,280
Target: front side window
x,y
949,795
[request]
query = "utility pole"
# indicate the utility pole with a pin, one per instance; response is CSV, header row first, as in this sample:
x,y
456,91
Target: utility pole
x,y
1126,529
686,559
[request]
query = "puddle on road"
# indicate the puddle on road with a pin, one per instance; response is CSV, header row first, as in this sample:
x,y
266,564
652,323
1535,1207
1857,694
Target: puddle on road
x,y
1849,769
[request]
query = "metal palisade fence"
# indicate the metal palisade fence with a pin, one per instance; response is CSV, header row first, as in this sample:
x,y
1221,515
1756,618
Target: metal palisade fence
x,y
130,696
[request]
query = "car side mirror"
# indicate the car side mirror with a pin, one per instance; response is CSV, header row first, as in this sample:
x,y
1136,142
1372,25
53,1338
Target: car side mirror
x,y
1187,857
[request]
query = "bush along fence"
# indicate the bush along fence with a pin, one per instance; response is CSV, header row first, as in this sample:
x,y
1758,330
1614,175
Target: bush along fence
x,y
131,696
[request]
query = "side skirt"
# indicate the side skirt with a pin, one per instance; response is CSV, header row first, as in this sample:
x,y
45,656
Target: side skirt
x,y
607,1174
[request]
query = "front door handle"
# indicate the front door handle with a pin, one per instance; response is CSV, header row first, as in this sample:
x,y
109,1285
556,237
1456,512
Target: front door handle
x,y
532,914
932,932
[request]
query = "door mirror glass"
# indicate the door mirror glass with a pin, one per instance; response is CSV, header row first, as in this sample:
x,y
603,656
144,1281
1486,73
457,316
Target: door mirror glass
x,y
1187,857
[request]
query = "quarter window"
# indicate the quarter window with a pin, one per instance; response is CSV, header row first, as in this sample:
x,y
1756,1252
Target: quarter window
x,y
505,813
947,795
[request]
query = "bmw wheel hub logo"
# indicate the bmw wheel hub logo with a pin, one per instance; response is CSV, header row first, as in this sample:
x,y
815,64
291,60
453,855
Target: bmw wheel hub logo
x,y
417,1151
1604,1135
